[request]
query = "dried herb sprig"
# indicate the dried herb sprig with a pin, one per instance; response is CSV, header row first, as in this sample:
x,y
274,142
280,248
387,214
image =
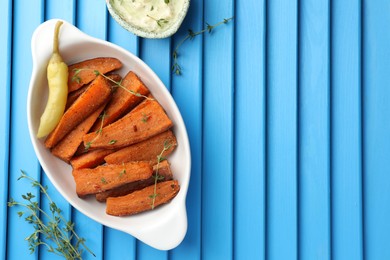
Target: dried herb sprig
x,y
176,68
57,231
76,78
156,176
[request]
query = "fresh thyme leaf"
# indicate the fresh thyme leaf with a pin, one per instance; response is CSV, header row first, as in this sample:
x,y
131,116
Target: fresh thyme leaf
x,y
103,115
176,69
166,1
87,146
122,172
103,180
145,118
160,22
75,76
60,236
112,141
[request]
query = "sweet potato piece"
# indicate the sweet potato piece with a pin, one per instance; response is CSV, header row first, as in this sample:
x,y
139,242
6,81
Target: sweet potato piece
x,y
140,201
96,95
90,159
86,75
122,100
146,120
67,147
106,177
75,94
146,150
164,170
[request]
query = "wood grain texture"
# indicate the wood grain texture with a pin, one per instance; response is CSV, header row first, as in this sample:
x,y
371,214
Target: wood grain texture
x,y
314,130
27,15
187,91
282,113
218,110
287,110
5,104
346,145
376,129
249,128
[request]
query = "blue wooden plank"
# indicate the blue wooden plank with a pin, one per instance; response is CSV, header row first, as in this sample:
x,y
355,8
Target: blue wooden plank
x,y
187,92
314,130
27,16
347,219
218,109
5,103
121,37
65,10
376,129
282,80
119,245
249,218
91,18
155,53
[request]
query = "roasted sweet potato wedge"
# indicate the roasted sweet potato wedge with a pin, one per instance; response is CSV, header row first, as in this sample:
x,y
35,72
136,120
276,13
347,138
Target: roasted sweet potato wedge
x,y
90,159
67,147
76,94
123,101
146,150
96,95
164,170
146,120
106,177
87,68
141,200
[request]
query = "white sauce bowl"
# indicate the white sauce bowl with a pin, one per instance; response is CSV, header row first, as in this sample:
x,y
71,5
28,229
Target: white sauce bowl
x,y
142,32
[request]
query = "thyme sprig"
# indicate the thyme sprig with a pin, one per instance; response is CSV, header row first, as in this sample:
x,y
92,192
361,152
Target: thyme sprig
x,y
98,132
76,78
57,231
156,176
176,68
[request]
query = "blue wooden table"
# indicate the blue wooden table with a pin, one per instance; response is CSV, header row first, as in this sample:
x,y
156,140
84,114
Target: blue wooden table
x,y
288,113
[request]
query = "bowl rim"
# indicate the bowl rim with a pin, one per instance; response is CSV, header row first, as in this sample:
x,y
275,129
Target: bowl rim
x,y
180,200
145,34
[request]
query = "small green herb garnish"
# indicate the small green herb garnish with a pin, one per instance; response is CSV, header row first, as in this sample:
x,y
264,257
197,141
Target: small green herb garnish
x,y
98,132
57,231
87,146
123,171
76,75
104,180
160,22
176,68
156,176
117,83
112,141
145,118
166,1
